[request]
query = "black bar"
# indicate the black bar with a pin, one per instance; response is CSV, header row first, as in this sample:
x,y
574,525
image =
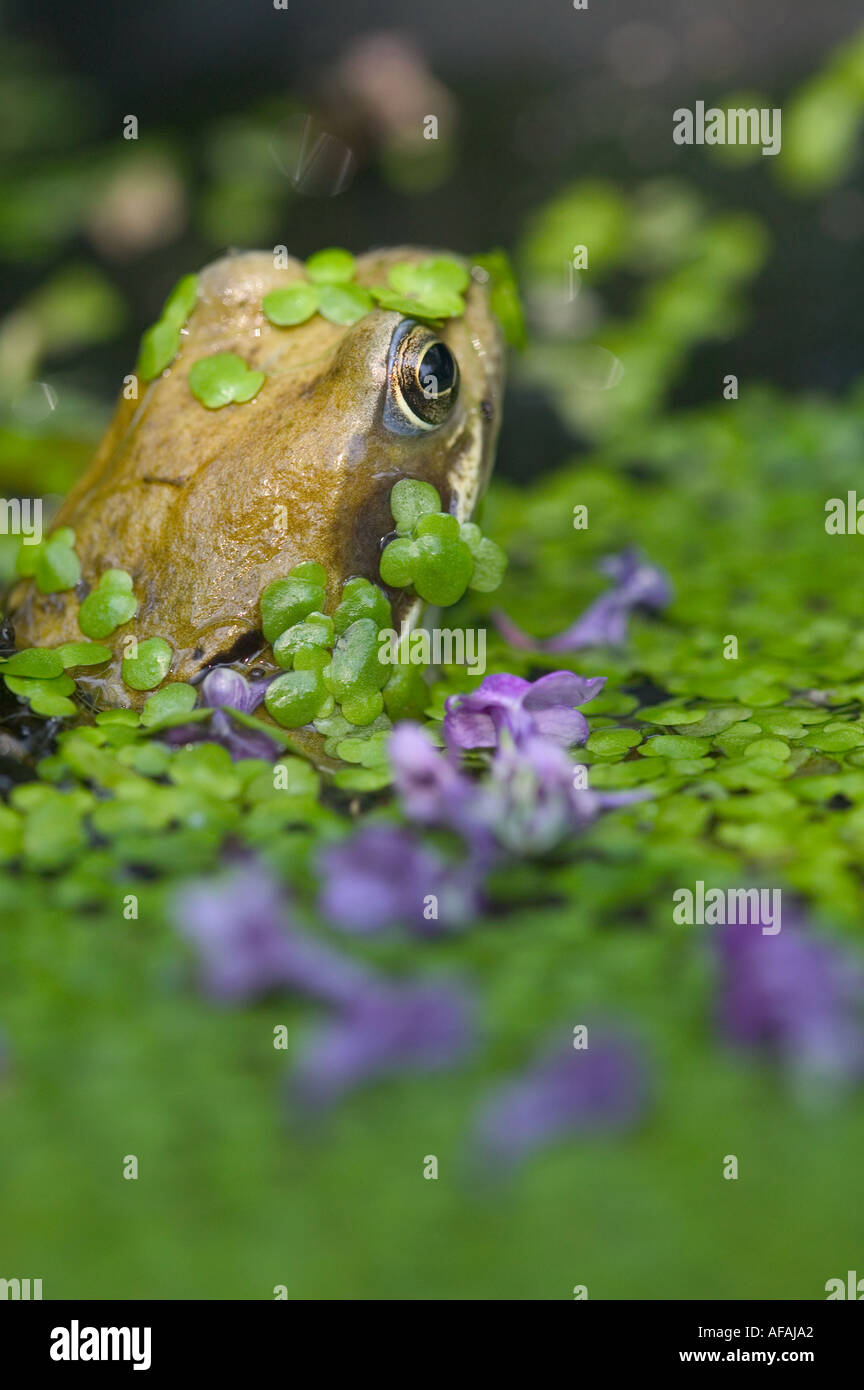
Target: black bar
x,y
232,1337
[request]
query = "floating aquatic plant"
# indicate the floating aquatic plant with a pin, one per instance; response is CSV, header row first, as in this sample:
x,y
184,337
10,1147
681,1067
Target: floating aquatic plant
x,y
161,343
433,553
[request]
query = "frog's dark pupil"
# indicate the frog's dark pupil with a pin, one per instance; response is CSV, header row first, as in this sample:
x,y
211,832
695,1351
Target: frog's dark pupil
x,y
437,370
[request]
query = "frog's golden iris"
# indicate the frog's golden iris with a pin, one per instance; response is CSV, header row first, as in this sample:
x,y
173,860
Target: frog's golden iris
x,y
423,380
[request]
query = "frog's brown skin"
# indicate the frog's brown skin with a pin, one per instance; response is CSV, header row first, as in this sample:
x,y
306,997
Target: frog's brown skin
x,y
188,499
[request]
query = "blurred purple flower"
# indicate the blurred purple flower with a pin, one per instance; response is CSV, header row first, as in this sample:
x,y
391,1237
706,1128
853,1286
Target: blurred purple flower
x,y
604,622
533,802
385,1030
434,792
245,947
522,708
527,803
240,742
382,877
428,780
795,995
568,1091
221,729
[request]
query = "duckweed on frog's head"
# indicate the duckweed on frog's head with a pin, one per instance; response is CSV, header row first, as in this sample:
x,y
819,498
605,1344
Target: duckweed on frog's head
x,y
206,490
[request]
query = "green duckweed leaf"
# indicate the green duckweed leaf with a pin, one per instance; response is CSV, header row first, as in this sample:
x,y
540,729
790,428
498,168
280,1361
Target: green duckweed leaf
x,y
34,661
30,686
611,743
57,567
837,740
315,631
674,746
126,718
161,343
406,692
503,294
150,666
367,752
344,304
295,698
361,779
172,700
361,599
355,670
363,707
76,654
435,285
108,606
288,601
332,266
223,379
291,306
52,706
410,501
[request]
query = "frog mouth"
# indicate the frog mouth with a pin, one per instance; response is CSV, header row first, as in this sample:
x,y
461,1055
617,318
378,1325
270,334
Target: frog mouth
x,y
467,477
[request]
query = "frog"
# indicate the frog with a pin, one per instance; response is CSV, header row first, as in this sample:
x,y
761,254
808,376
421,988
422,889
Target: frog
x,y
205,507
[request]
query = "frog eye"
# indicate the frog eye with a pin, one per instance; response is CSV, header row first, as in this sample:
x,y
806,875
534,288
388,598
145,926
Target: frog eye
x,y
422,380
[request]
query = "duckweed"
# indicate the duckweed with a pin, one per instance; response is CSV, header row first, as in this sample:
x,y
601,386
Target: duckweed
x,y
53,563
161,343
504,297
291,306
36,661
289,601
297,698
78,654
426,290
314,632
149,666
333,266
174,699
110,605
344,304
223,379
432,553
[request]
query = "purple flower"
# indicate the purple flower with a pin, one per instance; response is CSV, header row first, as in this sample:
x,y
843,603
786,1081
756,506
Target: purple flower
x,y
568,1091
245,947
240,742
385,1030
533,801
604,622
223,689
428,781
434,792
528,802
795,995
522,708
381,877
224,686
221,729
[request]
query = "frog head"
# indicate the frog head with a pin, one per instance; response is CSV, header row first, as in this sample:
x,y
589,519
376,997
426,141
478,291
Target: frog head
x,y
204,503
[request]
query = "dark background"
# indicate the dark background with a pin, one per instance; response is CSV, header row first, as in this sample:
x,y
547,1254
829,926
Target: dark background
x,y
544,94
